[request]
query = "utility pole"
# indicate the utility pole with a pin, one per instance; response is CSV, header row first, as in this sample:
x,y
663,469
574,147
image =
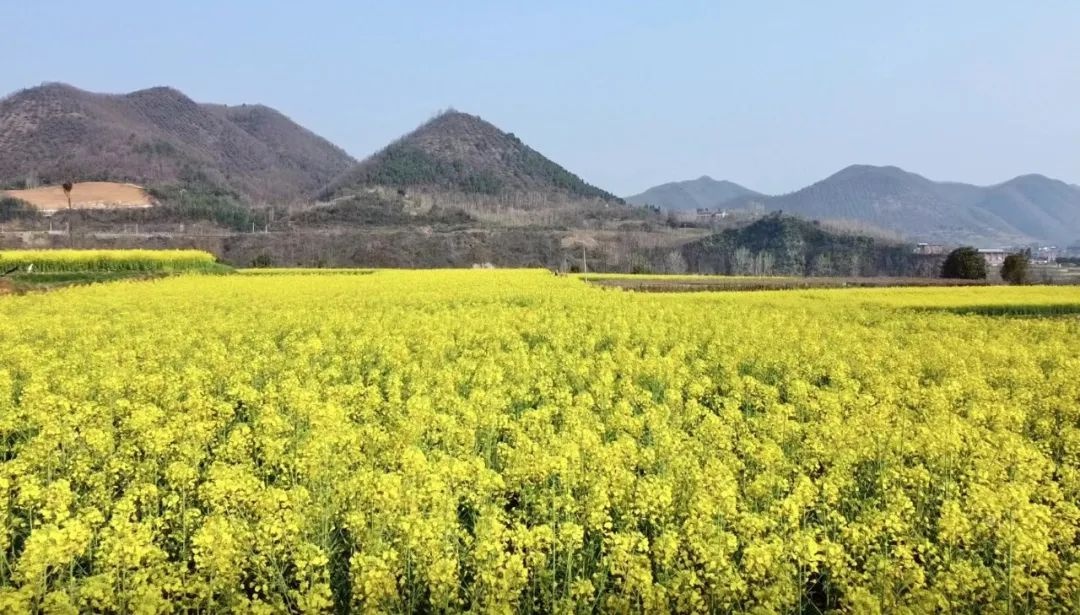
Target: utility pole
x,y
584,263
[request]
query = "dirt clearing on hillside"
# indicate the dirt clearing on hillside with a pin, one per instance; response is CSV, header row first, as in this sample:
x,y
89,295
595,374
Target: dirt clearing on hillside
x,y
85,195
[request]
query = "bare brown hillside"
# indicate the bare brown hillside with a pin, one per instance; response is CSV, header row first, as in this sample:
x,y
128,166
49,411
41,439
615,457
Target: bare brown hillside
x,y
56,132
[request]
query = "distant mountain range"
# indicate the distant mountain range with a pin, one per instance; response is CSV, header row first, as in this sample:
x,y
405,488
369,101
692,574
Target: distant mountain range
x,y
55,133
159,137
462,153
1024,209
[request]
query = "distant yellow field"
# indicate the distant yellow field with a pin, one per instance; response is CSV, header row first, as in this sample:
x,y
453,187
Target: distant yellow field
x,y
54,261
304,271
85,195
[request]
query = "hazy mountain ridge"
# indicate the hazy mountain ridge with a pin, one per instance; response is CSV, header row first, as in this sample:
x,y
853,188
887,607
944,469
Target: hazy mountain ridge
x,y
56,132
1037,206
700,193
463,153
1024,209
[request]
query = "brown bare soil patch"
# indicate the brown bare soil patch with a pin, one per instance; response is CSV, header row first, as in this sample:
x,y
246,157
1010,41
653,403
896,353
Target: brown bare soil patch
x,y
85,195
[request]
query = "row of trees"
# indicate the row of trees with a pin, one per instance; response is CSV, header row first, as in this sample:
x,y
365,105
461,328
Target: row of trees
x,y
967,264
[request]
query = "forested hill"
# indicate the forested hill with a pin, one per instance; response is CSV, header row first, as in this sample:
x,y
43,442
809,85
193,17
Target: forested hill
x,y
462,153
785,245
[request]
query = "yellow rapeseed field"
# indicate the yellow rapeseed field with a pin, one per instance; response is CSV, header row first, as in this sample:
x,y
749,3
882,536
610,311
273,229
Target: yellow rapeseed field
x,y
511,441
53,261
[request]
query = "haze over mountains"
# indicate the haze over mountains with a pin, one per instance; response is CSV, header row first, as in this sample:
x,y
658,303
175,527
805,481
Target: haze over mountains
x,y
1024,209
55,132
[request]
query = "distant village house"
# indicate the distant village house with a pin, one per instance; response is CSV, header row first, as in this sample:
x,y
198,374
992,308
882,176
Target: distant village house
x,y
994,257
929,249
706,214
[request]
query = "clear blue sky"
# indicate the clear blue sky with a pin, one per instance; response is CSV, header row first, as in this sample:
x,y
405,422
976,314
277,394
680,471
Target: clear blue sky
x,y
773,95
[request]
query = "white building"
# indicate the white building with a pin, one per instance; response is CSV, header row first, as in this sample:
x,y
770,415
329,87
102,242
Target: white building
x,y
994,257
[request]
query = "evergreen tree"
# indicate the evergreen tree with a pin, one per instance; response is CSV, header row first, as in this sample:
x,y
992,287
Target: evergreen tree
x,y
1015,269
964,263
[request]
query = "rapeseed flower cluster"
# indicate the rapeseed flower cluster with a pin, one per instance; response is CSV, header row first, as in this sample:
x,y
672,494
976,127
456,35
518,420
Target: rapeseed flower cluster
x,y
509,441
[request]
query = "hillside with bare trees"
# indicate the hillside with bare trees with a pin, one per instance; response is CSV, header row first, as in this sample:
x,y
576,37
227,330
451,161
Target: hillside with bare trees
x,y
55,133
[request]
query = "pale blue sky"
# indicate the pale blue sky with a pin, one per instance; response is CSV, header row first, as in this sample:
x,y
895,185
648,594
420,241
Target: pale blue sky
x,y
772,95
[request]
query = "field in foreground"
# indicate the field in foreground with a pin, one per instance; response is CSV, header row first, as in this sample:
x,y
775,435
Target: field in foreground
x,y
514,441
